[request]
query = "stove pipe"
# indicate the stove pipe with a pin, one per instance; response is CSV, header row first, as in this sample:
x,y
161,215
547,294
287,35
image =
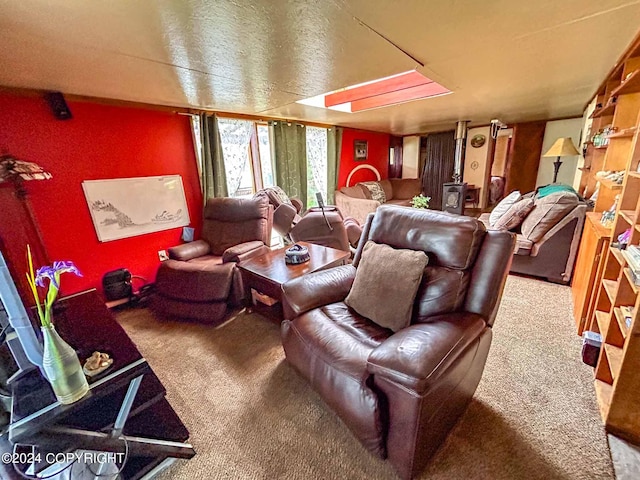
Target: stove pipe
x,y
461,138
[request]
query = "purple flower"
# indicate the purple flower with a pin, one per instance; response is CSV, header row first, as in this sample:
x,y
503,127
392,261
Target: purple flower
x,y
53,273
66,267
46,272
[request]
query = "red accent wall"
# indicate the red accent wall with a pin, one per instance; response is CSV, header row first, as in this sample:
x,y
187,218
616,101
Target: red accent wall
x,y
99,142
378,156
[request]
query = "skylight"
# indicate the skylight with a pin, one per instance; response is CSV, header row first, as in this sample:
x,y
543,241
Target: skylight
x,y
384,92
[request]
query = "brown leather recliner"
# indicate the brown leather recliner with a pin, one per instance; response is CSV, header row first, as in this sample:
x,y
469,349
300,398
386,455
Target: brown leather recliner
x,y
401,393
200,278
326,228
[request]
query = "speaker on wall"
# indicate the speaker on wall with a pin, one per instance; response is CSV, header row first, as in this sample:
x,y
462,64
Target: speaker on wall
x,y
58,105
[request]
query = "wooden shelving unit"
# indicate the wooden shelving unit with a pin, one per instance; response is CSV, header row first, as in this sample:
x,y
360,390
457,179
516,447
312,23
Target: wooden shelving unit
x,y
617,98
617,374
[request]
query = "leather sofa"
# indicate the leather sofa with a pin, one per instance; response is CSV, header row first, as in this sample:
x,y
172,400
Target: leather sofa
x,y
401,393
552,256
357,202
200,278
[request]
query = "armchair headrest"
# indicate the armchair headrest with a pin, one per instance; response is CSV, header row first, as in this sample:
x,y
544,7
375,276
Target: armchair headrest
x,y
450,241
231,221
236,210
276,195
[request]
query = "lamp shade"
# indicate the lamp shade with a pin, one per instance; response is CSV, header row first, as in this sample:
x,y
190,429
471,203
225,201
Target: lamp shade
x,y
12,169
562,147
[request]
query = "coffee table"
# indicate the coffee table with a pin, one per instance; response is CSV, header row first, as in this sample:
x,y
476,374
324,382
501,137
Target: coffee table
x,y
267,273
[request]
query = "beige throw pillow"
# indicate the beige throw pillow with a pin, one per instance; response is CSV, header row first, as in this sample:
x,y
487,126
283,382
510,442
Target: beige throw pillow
x,y
548,211
515,215
376,191
386,283
503,206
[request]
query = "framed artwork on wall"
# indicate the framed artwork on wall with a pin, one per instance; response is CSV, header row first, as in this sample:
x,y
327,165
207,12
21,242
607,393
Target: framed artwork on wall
x,y
126,207
360,149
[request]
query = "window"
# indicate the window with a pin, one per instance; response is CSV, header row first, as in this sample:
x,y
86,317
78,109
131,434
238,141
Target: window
x,y
264,151
235,137
197,140
246,149
316,164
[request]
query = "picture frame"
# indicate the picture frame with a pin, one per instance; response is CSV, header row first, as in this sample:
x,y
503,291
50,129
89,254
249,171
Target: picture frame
x,y
360,150
127,207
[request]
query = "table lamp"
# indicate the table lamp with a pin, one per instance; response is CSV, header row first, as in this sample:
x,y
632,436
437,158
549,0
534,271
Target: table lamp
x,y
563,147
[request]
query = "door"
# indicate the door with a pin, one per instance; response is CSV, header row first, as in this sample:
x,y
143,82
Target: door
x,y
521,171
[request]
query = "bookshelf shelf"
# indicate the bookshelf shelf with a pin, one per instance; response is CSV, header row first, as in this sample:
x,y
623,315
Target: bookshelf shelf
x,y
605,111
602,319
610,287
626,133
617,254
628,216
630,85
629,277
610,184
603,394
622,323
614,356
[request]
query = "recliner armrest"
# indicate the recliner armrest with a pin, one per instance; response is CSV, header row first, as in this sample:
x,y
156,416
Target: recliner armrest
x,y
189,250
244,251
316,289
578,212
416,356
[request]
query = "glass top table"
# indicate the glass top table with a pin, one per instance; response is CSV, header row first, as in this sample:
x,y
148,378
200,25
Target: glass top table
x,y
127,392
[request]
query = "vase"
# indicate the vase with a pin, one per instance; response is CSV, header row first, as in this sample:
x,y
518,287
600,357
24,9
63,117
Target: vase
x,y
62,368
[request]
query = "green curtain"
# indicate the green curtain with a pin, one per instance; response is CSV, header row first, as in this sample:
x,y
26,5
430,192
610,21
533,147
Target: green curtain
x,y
290,154
334,148
214,182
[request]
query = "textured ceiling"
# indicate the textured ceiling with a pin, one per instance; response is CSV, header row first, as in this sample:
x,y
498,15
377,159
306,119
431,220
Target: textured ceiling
x,y
507,59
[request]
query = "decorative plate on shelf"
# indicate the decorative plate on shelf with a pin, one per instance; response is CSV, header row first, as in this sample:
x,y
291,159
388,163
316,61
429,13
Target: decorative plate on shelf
x,y
478,140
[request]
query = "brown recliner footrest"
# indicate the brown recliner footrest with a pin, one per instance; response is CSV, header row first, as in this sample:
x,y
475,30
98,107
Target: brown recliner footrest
x,y
195,281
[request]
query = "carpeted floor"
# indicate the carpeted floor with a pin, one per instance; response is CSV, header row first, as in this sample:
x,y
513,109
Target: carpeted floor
x,y
250,416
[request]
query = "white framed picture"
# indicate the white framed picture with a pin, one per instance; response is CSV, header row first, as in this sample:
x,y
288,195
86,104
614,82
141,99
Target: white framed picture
x,y
126,207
